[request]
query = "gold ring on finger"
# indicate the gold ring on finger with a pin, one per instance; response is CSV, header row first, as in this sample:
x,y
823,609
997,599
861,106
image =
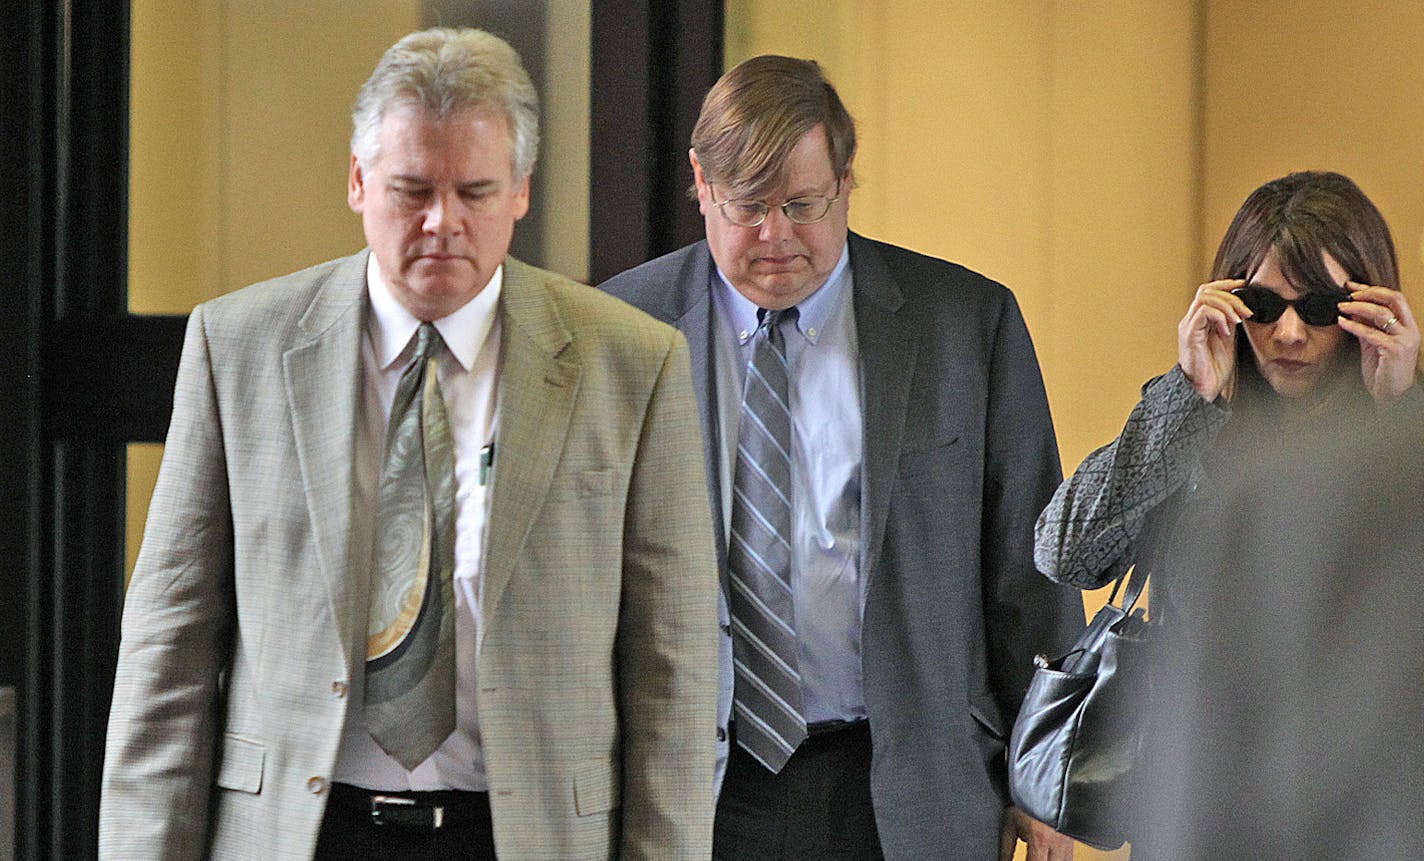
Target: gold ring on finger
x,y
1389,324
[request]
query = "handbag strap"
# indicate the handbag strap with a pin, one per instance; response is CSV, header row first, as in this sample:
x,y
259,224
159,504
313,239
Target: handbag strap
x,y
1150,541
1136,587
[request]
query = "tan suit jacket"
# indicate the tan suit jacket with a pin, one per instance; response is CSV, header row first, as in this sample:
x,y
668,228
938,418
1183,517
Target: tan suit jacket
x,y
243,631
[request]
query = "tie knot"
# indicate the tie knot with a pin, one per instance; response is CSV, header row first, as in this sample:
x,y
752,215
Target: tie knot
x,y
771,319
427,341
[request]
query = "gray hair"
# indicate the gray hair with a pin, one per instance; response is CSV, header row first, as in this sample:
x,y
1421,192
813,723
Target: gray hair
x,y
447,70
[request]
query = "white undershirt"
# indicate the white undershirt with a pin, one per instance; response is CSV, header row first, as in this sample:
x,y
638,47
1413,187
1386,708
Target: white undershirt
x,y
468,377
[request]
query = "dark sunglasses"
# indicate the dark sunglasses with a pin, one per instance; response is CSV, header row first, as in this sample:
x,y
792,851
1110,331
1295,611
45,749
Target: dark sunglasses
x,y
1316,308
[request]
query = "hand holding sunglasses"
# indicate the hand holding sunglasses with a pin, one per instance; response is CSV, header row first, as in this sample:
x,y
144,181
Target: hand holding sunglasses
x,y
1206,337
1381,319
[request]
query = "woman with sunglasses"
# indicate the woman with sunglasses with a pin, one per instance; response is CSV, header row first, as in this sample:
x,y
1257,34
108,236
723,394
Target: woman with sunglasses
x,y
1303,318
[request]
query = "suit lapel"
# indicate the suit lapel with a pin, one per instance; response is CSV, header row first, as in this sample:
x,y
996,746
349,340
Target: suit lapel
x,y
537,389
692,315
322,376
889,344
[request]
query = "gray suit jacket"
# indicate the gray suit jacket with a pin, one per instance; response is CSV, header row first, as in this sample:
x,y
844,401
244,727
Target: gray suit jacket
x,y
960,457
244,626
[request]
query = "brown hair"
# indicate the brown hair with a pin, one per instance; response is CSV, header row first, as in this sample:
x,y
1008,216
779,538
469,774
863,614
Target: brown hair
x,y
1298,216
755,115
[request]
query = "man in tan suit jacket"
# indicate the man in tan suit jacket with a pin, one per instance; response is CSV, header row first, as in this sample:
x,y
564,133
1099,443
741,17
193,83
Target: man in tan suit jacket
x,y
584,581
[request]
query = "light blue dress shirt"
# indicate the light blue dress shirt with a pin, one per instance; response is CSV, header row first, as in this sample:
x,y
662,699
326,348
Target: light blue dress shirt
x,y
825,392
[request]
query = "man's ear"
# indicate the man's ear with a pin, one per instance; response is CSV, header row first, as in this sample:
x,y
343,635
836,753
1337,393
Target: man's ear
x,y
848,177
704,196
356,186
521,198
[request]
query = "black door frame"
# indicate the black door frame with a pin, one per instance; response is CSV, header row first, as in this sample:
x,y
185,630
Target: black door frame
x,y
84,377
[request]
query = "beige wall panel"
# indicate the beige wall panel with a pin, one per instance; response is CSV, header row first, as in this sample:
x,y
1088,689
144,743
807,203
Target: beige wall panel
x,y
1048,145
291,71
1123,207
240,127
1325,85
562,177
950,117
174,142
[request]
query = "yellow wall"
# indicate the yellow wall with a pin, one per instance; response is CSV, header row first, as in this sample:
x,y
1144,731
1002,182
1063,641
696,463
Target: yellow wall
x,y
1318,84
1050,146
240,118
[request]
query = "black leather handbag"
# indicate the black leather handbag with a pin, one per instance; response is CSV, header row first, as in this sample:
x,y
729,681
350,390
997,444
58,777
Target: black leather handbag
x,y
1077,745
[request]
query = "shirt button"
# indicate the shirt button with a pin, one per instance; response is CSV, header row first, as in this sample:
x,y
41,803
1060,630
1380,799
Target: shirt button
x,y
316,785
721,733
338,688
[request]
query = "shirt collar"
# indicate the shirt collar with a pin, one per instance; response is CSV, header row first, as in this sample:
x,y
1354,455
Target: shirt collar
x,y
813,311
391,326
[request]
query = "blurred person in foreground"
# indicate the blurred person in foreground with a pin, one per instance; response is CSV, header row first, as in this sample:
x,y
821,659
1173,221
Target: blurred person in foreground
x,y
878,444
1302,326
428,569
1292,718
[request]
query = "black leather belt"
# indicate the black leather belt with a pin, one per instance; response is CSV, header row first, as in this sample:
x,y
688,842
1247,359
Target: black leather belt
x,y
425,811
824,731
830,727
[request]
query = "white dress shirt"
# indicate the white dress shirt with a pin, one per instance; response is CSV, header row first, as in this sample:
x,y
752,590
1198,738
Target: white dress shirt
x,y
468,376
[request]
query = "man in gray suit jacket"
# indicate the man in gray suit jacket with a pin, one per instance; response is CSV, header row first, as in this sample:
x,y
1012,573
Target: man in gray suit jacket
x,y
922,452
358,629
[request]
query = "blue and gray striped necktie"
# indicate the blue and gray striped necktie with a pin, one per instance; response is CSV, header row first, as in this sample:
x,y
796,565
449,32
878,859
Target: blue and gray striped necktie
x,y
771,720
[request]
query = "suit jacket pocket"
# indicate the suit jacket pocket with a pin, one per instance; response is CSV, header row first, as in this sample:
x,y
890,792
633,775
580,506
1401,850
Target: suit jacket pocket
x,y
584,484
595,787
985,710
242,763
942,445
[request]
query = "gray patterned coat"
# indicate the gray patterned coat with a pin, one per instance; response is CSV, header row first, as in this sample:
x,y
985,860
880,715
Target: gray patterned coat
x,y
1114,509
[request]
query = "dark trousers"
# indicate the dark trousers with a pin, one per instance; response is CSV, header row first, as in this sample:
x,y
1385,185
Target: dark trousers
x,y
349,833
818,806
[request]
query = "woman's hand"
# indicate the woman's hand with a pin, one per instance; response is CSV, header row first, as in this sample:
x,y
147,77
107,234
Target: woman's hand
x,y
1206,337
1389,339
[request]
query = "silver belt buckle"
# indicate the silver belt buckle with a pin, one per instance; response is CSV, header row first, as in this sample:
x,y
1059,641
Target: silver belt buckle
x,y
382,805
379,804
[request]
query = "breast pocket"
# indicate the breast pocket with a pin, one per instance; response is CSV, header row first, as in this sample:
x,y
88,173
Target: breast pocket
x,y
583,484
916,455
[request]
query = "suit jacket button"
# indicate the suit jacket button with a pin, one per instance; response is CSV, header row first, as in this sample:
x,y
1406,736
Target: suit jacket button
x,y
338,688
316,785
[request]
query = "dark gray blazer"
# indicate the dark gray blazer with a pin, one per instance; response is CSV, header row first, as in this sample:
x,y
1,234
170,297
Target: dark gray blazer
x,y
960,457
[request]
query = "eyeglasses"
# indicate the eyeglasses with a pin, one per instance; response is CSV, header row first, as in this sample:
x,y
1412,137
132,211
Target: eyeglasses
x,y
751,213
1315,308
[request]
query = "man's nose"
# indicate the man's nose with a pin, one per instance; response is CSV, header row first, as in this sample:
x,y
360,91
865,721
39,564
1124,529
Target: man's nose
x,y
776,226
442,217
